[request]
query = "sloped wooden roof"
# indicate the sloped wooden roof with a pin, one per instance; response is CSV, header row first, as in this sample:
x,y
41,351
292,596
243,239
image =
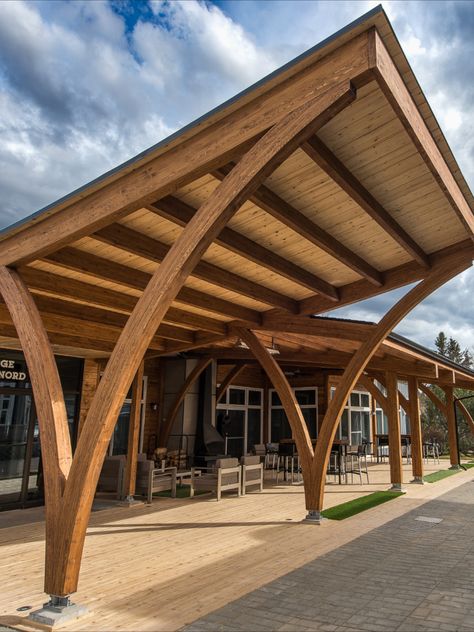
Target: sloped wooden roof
x,y
369,204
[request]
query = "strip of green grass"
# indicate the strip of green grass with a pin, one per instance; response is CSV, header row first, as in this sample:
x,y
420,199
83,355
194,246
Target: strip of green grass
x,y
353,507
182,491
440,474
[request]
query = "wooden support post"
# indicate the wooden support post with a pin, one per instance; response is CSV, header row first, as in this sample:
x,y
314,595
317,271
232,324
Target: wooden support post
x,y
452,430
373,421
292,409
416,433
394,438
437,277
133,436
227,381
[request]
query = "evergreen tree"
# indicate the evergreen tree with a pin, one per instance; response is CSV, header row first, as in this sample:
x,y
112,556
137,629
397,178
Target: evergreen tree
x,y
434,423
441,343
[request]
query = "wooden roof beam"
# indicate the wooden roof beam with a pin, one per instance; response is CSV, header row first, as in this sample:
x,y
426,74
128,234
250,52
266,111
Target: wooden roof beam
x,y
66,324
337,171
179,212
153,250
101,268
102,316
68,340
284,212
64,288
394,278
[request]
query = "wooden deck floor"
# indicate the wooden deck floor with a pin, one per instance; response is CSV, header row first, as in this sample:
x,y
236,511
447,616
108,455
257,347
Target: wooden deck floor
x,y
159,567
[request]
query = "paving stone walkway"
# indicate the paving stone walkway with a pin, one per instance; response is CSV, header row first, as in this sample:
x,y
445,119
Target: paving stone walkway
x,y
409,575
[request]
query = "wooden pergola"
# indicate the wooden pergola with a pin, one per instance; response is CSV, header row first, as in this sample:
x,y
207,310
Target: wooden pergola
x,y
324,184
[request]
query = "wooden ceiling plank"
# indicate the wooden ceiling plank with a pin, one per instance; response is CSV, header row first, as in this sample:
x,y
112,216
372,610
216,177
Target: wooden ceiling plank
x,y
402,102
153,250
284,212
179,212
101,268
337,171
40,281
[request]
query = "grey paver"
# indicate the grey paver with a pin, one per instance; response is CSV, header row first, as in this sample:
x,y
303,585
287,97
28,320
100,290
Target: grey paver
x,y
408,576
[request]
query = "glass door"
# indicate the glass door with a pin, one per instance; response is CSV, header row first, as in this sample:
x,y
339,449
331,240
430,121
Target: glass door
x,y
19,448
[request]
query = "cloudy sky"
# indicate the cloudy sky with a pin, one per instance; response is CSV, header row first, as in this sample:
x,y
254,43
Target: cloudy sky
x,y
87,85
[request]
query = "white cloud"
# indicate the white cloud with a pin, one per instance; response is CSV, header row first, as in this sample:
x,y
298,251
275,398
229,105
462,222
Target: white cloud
x,y
79,94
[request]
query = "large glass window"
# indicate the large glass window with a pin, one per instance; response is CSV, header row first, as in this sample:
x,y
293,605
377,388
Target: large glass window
x,y
239,419
20,441
307,397
355,420
119,442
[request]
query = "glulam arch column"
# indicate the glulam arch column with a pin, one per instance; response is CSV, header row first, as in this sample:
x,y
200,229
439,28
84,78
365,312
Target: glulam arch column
x,y
277,144
436,278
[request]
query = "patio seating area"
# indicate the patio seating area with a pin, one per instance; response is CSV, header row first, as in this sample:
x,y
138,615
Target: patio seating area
x,y
159,567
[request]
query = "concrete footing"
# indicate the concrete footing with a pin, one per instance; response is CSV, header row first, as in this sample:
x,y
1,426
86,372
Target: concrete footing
x,y
398,487
130,501
418,480
313,517
57,611
455,467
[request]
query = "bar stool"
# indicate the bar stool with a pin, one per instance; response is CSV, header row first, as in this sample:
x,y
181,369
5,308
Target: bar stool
x,y
356,462
431,450
288,463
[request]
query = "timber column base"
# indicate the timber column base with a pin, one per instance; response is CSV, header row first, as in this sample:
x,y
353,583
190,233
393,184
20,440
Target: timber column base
x,y
397,487
313,517
58,611
418,480
130,501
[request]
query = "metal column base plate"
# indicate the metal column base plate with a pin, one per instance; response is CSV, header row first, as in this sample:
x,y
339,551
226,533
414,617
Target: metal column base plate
x,y
313,517
397,487
54,615
418,480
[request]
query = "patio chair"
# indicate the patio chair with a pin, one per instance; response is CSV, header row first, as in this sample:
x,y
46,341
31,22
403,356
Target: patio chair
x,y
252,473
288,463
150,479
111,475
225,476
356,462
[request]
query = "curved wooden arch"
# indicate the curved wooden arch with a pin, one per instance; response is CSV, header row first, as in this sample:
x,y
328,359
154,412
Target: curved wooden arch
x,y
227,381
356,366
56,448
45,382
173,410
285,392
257,164
467,414
440,405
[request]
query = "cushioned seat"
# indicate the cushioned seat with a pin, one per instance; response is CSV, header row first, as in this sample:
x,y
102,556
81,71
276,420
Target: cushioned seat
x,y
252,473
224,476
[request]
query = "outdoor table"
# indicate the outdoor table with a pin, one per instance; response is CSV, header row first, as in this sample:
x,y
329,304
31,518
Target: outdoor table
x,y
381,440
338,445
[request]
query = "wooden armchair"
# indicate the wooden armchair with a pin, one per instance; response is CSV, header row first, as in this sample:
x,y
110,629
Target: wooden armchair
x,y
111,475
151,480
225,476
252,473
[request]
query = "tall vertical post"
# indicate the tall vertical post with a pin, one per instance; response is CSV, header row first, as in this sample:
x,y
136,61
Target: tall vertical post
x,y
416,434
130,476
451,419
394,440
